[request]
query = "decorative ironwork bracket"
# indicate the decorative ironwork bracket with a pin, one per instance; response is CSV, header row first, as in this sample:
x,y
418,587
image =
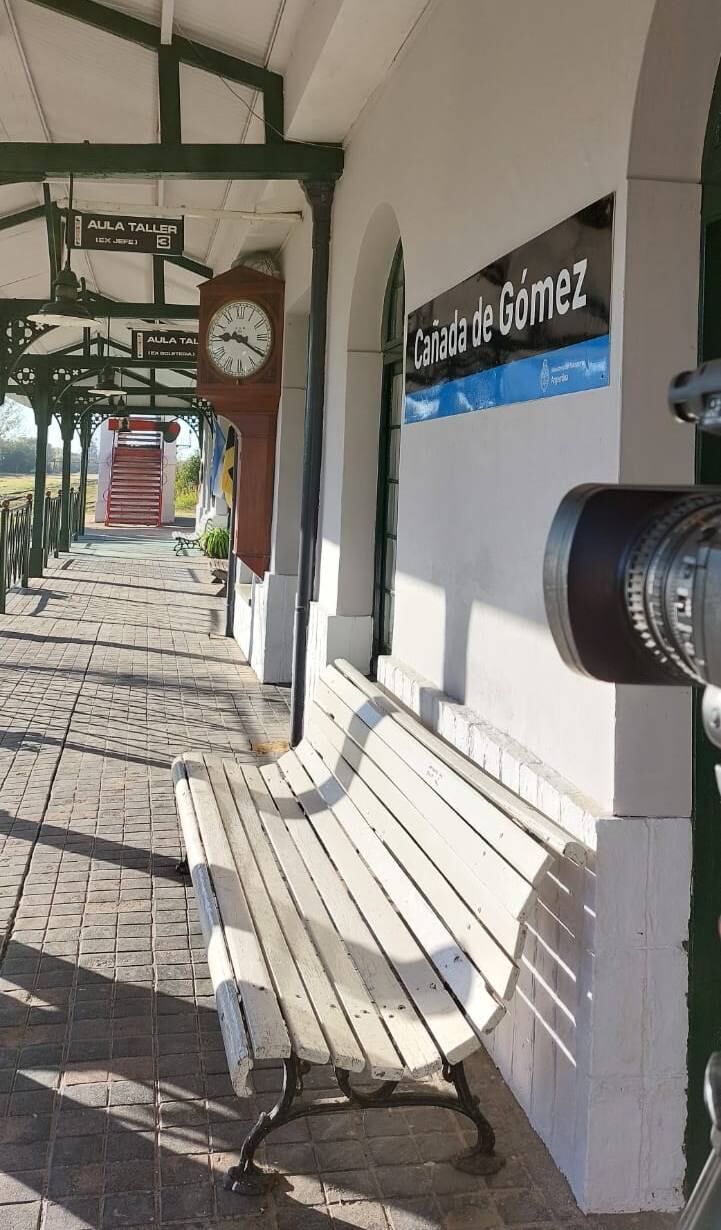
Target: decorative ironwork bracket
x,y
16,336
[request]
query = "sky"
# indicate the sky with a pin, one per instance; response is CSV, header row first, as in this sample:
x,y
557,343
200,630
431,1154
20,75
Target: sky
x,y
186,441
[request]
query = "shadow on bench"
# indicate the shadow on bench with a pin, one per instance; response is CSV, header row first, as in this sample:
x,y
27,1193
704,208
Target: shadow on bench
x,y
364,903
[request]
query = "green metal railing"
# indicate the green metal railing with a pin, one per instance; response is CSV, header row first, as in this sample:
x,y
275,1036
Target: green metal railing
x,y
16,516
15,527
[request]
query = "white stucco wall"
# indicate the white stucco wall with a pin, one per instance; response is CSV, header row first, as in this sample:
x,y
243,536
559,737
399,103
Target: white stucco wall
x,y
469,177
496,122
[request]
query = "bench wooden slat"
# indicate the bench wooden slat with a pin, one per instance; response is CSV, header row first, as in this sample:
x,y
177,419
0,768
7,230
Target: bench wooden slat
x,y
232,1026
249,792
526,854
278,812
502,925
522,813
363,849
423,860
411,1038
266,1027
306,1035
501,881
397,935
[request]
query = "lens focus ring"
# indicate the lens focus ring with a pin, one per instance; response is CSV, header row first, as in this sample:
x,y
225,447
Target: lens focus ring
x,y
659,580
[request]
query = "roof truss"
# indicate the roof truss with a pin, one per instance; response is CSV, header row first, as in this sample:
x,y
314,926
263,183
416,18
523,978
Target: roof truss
x,y
184,51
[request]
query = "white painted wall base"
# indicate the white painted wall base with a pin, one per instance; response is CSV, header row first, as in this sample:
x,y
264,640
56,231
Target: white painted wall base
x,y
336,636
263,625
106,439
594,1046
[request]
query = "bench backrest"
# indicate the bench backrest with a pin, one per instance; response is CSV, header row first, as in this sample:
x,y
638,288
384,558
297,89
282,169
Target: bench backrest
x,y
434,829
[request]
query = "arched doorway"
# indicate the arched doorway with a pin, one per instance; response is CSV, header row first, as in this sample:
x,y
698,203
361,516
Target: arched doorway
x,y
389,451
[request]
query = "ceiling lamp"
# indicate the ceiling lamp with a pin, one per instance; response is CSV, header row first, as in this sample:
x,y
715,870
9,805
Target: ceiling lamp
x,y
67,306
107,386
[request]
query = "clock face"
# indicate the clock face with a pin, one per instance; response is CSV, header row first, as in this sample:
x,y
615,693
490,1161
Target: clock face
x,y
239,339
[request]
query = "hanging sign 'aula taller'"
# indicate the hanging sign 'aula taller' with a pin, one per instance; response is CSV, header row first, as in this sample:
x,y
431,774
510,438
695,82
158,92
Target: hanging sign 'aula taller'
x,y
122,233
535,323
165,344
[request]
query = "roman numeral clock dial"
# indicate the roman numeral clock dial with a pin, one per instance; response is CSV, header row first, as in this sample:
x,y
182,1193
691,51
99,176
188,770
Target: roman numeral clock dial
x,y
239,339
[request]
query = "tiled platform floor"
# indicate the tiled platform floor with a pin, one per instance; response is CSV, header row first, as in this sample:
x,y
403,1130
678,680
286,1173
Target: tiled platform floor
x,y
115,1106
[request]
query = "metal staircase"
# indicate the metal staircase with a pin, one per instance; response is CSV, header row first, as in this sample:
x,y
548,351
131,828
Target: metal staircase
x,y
136,479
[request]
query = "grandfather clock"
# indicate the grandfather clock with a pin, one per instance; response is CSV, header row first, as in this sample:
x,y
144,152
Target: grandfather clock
x,y
240,351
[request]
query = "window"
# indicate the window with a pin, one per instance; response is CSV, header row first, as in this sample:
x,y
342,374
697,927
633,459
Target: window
x,y
389,449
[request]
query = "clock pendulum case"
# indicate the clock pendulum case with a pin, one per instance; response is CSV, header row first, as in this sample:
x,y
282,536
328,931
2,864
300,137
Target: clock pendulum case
x,y
240,351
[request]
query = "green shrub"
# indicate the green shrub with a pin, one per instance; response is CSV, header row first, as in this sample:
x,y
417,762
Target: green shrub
x,y
215,543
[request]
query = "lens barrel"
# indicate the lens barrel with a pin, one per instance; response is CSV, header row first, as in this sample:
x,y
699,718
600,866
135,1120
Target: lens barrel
x,y
632,583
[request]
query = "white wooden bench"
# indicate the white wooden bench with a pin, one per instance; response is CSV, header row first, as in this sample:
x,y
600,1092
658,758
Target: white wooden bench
x,y
364,903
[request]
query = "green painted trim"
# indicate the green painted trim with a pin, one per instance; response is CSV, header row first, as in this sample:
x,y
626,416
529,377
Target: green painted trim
x,y
392,365
34,161
704,997
21,217
169,95
704,993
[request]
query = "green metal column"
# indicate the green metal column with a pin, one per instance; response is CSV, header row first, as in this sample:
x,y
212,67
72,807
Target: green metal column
x,y
67,431
86,429
41,410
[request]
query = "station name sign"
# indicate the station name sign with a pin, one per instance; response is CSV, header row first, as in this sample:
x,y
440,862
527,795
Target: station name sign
x,y
535,323
165,344
122,233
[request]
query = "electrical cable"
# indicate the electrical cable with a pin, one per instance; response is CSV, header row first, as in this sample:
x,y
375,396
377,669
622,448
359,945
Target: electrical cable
x,y
200,51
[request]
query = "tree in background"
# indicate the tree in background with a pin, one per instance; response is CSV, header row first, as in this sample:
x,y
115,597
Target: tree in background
x,y
187,474
11,414
17,456
187,479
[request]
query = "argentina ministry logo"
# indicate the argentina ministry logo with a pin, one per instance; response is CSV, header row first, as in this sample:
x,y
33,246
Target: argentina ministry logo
x,y
545,378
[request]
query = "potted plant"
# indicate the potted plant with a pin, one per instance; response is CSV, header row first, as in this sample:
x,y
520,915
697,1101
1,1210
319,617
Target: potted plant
x,y
215,545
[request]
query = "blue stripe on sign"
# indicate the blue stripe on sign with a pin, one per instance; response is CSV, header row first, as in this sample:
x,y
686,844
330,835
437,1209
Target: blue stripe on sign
x,y
572,369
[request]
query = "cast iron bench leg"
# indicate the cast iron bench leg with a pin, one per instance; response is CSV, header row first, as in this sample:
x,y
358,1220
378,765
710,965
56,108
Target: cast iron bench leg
x,y
481,1159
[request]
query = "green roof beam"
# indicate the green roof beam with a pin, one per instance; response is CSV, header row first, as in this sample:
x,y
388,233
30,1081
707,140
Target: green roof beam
x,y
18,309
52,230
169,95
193,266
159,280
34,161
21,217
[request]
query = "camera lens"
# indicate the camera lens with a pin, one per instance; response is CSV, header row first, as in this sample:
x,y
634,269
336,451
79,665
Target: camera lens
x,y
632,583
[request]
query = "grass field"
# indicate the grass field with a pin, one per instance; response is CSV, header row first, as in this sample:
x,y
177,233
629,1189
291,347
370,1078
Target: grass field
x,y
185,499
12,485
19,484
